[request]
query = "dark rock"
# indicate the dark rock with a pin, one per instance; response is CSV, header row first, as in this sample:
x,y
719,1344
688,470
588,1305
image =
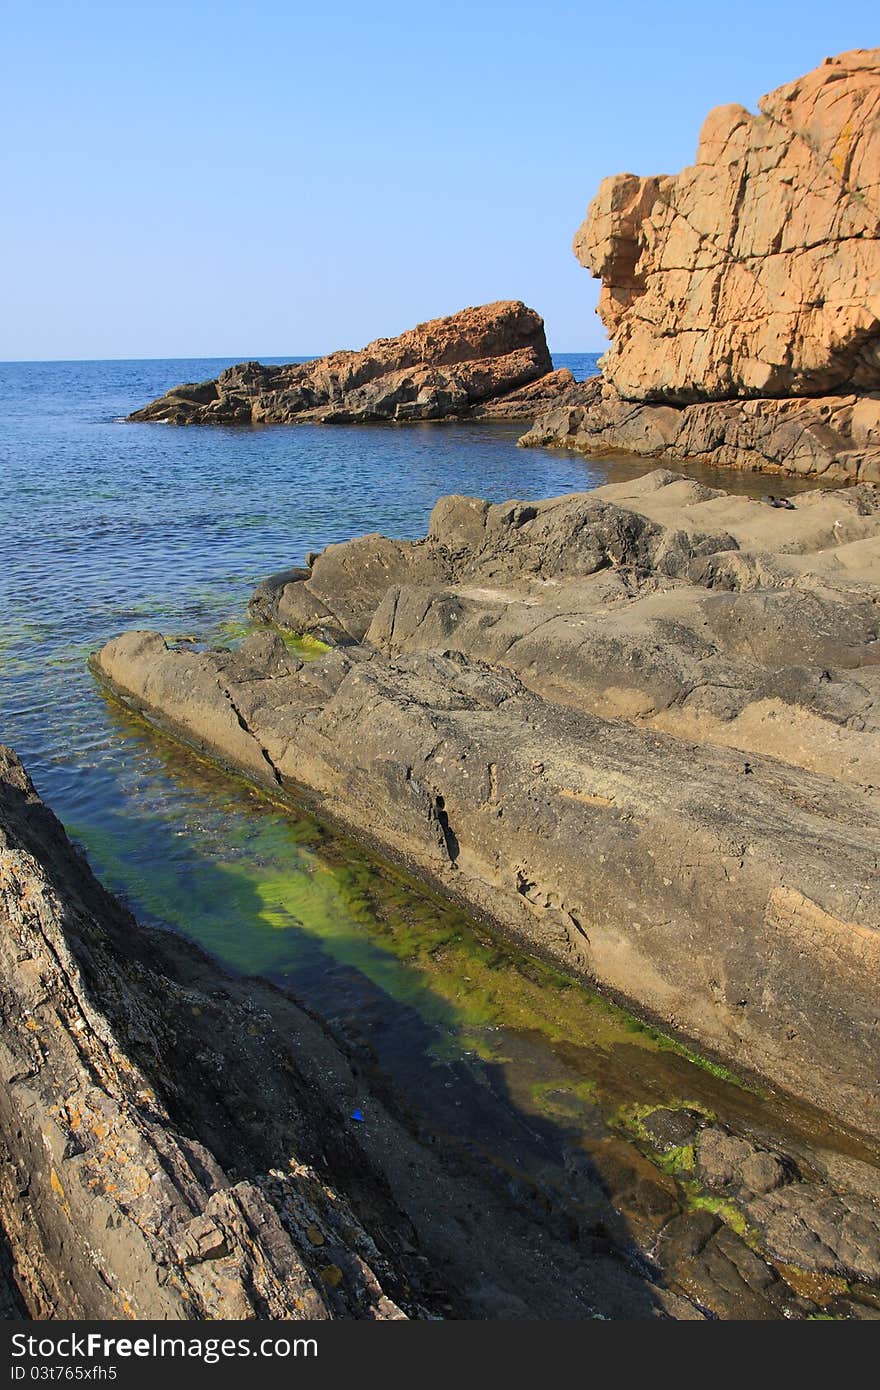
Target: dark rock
x,y
725,1161
712,1264
672,1129
122,1122
832,1233
828,436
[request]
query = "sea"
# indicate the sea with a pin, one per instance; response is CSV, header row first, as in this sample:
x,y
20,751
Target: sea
x,y
107,526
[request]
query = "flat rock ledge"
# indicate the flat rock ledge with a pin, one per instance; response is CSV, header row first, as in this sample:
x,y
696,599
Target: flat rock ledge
x,y
487,363
636,727
832,438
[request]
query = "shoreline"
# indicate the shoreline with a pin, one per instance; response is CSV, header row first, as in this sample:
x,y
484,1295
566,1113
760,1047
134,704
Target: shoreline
x,y
402,693
659,1249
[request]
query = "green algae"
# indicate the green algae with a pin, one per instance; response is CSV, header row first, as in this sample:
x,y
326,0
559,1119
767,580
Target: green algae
x,y
562,1099
233,630
303,644
682,1159
719,1206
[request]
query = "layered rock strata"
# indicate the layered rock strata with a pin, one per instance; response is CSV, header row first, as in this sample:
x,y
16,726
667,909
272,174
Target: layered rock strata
x,y
835,439
490,362
162,1154
638,727
752,276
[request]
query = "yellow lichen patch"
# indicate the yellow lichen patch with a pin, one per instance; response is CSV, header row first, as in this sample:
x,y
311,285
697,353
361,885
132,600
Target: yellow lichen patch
x,y
840,153
332,1275
58,1189
315,1236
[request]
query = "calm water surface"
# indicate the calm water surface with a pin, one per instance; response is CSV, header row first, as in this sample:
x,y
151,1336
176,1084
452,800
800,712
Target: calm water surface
x,y
107,526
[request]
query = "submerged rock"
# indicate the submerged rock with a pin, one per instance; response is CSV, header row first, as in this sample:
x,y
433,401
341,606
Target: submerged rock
x,y
636,727
490,362
741,295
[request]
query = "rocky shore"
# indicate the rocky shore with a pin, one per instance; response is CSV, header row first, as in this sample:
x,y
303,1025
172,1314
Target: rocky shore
x,y
637,727
175,1143
742,296
163,1153
487,363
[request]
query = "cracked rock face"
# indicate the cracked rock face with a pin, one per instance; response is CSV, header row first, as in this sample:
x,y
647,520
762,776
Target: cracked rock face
x,y
756,271
742,295
490,362
638,727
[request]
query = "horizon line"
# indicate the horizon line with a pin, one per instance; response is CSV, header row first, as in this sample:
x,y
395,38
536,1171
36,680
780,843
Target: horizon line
x,y
222,357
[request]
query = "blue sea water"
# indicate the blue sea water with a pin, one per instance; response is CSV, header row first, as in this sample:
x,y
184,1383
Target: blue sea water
x,y
107,525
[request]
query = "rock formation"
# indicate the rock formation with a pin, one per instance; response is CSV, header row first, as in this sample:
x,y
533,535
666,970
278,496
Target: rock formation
x,y
638,727
752,277
483,363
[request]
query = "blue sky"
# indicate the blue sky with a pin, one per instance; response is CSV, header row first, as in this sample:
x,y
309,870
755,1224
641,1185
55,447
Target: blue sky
x,y
233,179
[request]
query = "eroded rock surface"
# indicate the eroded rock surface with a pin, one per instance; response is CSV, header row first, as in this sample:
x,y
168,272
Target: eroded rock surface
x,y
490,362
752,276
160,1148
638,727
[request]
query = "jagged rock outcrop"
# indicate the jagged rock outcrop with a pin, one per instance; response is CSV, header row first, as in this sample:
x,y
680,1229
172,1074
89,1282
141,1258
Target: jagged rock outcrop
x,y
638,727
490,362
753,275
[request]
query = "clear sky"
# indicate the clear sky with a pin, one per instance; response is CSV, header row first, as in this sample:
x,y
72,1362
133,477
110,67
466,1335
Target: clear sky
x,y
238,179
